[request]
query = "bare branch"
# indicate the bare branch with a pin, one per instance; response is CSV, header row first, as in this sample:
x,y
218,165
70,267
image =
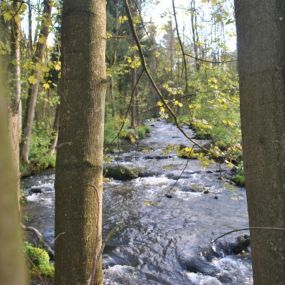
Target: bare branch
x,y
247,229
146,69
40,238
210,61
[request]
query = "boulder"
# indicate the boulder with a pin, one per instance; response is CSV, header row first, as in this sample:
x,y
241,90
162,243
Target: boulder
x,y
121,172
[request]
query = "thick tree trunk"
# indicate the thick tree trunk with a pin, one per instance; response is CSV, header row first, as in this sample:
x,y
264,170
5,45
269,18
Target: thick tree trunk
x,y
12,264
15,106
79,171
261,49
34,88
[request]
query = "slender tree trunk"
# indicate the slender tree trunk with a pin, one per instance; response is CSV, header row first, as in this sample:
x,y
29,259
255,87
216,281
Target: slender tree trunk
x,y
112,97
172,48
79,170
30,35
54,141
195,35
34,88
12,264
15,106
134,110
261,49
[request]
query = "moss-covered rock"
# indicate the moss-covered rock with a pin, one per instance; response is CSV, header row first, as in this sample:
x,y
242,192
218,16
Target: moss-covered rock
x,y
187,152
121,172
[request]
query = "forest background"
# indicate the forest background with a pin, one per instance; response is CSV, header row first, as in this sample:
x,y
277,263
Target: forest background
x,y
191,55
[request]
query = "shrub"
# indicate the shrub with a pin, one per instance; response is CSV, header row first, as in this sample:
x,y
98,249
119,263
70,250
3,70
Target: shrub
x,y
112,127
135,134
40,157
142,131
214,111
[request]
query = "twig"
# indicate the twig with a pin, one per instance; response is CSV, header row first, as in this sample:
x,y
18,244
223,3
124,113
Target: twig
x,y
246,229
58,236
109,236
179,177
210,61
128,109
97,256
40,238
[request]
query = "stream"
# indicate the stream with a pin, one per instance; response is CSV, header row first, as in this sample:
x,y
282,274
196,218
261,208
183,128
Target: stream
x,y
169,217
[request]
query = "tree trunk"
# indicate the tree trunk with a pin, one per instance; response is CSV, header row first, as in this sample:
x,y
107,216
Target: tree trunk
x,y
30,34
34,88
135,106
113,105
79,170
195,35
15,106
261,49
54,140
12,264
172,49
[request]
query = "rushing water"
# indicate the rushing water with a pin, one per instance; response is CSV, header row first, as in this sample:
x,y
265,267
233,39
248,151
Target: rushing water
x,y
167,223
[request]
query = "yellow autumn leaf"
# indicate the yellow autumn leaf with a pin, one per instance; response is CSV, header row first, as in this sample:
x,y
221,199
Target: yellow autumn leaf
x,y
32,80
46,86
109,35
7,16
122,19
177,103
42,39
57,66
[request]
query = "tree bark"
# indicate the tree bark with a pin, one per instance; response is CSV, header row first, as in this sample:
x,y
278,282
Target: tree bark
x,y
261,49
34,88
15,106
79,170
12,264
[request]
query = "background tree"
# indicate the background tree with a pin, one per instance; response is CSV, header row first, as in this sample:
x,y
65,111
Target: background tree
x,y
79,170
34,80
261,50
